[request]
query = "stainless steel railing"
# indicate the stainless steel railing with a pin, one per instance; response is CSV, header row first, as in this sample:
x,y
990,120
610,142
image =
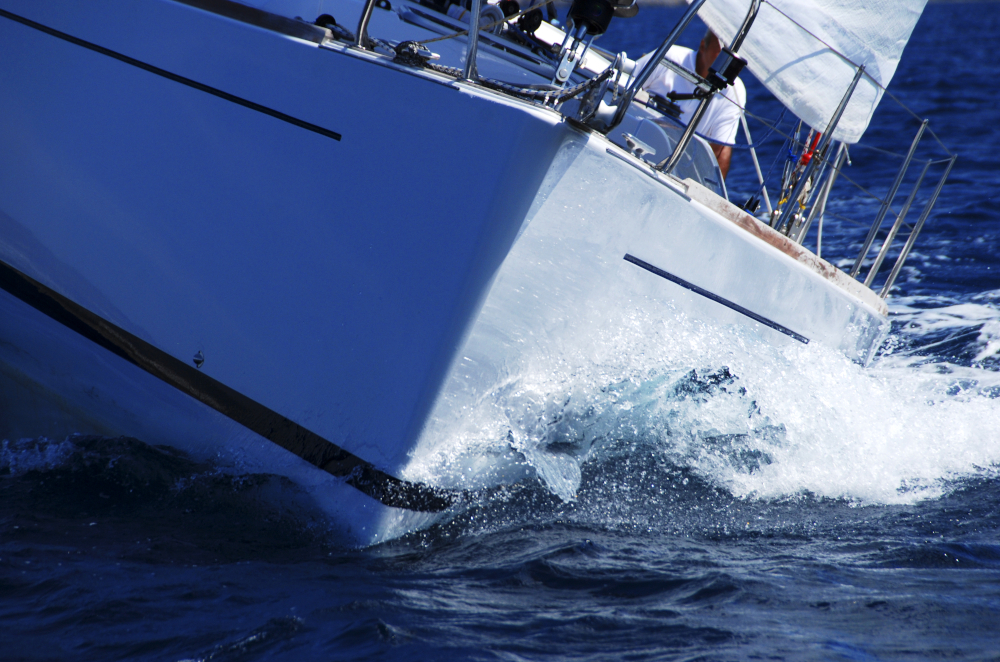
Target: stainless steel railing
x,y
654,61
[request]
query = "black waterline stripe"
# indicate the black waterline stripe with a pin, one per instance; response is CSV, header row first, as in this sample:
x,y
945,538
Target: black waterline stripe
x,y
172,76
291,436
715,297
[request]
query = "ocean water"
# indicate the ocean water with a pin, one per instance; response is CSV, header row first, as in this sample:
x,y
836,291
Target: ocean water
x,y
725,503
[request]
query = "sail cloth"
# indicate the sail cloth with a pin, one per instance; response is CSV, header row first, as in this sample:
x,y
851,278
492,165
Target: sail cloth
x,y
793,46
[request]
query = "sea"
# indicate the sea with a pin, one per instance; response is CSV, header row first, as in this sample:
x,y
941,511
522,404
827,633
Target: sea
x,y
736,505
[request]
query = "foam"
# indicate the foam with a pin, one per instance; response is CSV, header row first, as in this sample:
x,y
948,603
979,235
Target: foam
x,y
909,427
23,455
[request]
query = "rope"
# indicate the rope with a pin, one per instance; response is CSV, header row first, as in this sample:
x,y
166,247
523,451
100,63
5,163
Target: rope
x,y
554,96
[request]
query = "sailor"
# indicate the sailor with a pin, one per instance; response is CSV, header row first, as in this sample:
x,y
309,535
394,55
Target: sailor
x,y
722,118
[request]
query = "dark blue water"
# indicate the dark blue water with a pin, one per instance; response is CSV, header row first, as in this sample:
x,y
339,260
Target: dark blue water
x,y
861,528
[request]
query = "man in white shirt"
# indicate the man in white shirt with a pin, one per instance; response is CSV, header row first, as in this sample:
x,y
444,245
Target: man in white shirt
x,y
722,117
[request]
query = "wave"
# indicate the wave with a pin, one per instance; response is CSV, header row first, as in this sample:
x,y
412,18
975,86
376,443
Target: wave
x,y
670,408
759,422
153,503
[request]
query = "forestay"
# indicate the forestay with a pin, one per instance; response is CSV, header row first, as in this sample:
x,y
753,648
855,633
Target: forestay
x,y
797,48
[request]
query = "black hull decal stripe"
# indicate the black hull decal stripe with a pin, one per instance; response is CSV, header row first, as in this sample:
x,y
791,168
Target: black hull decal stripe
x,y
715,297
172,76
291,436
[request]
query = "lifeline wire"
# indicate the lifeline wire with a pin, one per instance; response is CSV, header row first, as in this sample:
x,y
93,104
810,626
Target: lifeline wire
x,y
842,173
545,96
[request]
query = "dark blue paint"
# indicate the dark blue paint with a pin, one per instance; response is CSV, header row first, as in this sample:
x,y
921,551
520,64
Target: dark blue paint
x,y
119,551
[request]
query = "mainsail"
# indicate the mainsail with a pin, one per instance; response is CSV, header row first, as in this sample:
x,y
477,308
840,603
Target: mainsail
x,y
806,52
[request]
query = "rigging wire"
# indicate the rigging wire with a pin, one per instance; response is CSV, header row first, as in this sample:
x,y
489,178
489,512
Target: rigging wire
x,y
547,96
866,74
790,140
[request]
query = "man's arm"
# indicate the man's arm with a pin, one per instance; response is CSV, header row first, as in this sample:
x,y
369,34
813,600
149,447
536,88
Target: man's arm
x,y
723,154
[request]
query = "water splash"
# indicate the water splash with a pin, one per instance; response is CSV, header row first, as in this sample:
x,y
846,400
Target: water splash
x,y
758,421
23,455
964,331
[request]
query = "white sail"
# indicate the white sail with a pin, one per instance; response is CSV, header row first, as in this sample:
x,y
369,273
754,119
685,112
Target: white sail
x,y
797,49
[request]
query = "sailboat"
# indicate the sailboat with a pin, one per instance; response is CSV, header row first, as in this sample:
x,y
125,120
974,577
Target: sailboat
x,y
296,236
